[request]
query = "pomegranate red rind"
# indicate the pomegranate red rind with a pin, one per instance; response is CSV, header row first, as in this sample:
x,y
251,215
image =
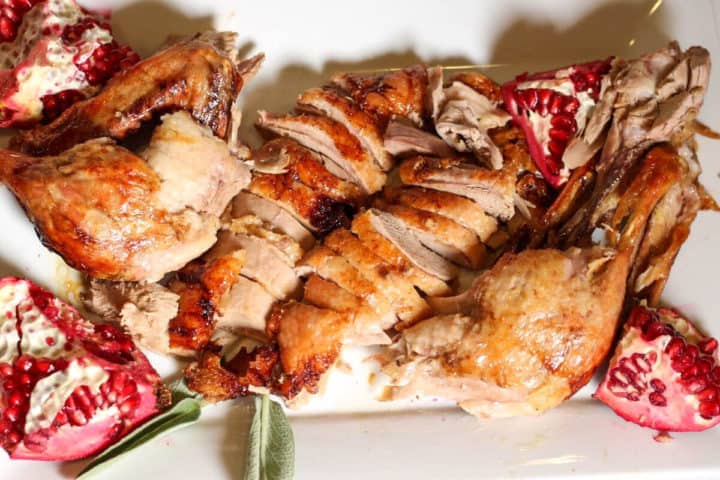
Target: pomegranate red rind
x,y
68,388
52,54
664,374
551,107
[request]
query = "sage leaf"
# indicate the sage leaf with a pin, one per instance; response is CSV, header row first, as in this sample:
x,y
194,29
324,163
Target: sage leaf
x,y
271,445
184,411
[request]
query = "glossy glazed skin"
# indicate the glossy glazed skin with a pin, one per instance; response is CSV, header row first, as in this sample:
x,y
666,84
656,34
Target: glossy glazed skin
x,y
528,334
198,75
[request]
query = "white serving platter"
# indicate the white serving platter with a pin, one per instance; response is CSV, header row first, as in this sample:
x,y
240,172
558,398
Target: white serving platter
x,y
347,436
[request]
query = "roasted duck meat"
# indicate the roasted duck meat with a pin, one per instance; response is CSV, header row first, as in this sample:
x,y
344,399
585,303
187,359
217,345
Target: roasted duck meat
x,y
115,215
528,334
200,75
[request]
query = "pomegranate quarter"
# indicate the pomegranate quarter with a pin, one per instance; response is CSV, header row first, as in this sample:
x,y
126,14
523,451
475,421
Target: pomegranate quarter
x,y
551,108
68,388
664,374
52,54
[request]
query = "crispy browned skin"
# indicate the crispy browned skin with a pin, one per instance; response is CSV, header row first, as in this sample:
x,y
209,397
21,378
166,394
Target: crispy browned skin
x,y
309,339
194,76
201,287
322,200
528,334
400,93
93,206
304,166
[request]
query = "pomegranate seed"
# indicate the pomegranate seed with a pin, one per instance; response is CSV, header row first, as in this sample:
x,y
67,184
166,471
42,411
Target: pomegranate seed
x,y
130,405
707,395
680,364
692,352
61,418
530,98
77,418
99,400
10,385
633,397
24,363
641,362
12,414
690,372
616,387
657,385
14,437
5,426
105,388
704,365
111,396
714,376
26,379
16,399
696,385
709,409
118,381
70,403
129,389
675,348
6,370
44,366
559,134
556,104
708,345
556,147
563,122
50,341
8,29
657,399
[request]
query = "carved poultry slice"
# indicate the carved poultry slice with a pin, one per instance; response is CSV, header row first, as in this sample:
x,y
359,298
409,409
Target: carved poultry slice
x,y
528,334
408,305
362,226
440,234
460,209
309,340
330,266
342,109
400,235
393,94
264,264
286,247
402,138
244,309
286,156
113,215
200,75
493,190
331,139
367,327
248,204
316,211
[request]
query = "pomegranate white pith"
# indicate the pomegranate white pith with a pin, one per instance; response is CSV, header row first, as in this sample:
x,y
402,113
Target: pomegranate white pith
x,y
664,374
552,107
68,388
52,54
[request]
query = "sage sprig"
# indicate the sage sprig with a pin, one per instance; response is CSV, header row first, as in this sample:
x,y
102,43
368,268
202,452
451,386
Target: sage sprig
x,y
271,445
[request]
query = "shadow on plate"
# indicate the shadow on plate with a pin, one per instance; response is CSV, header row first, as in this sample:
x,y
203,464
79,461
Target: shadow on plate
x,y
147,24
625,29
